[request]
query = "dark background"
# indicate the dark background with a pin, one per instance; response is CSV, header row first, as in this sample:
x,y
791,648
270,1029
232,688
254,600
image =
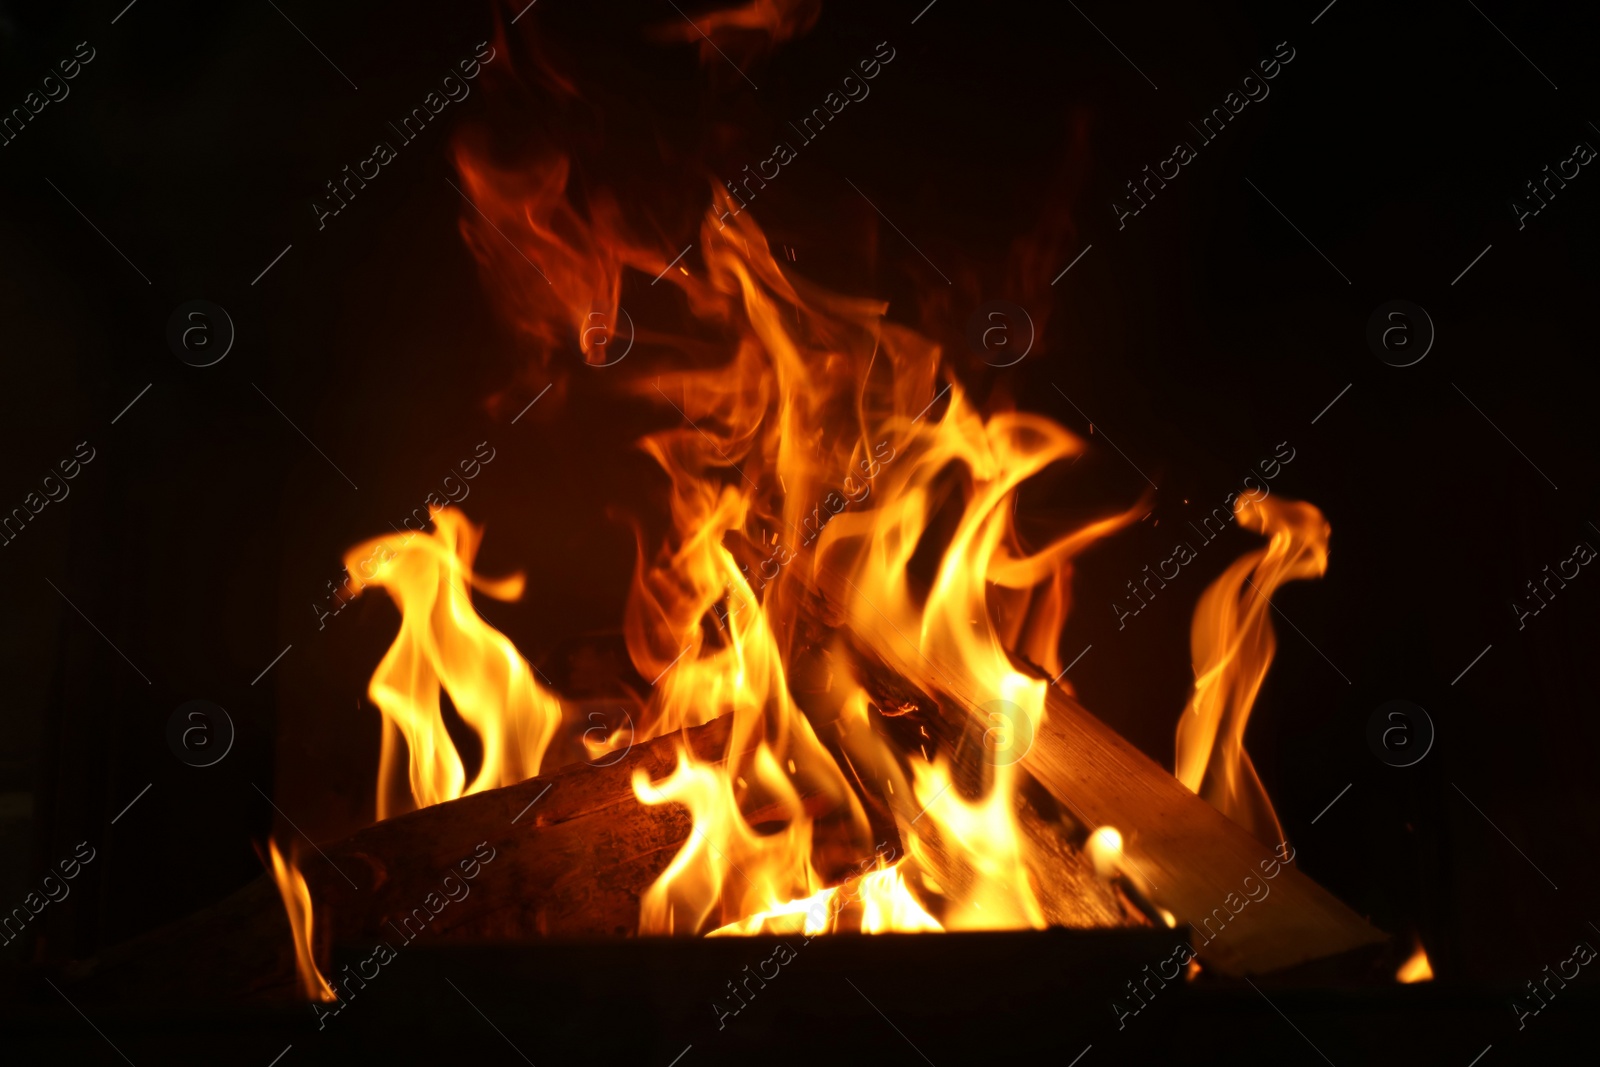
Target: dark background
x,y
1198,337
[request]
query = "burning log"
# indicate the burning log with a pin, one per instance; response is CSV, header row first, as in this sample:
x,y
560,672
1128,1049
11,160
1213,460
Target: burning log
x,y
568,855
1177,849
1198,863
1070,893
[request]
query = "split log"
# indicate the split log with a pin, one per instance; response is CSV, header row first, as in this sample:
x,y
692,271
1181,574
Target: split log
x,y
1187,856
1063,879
572,853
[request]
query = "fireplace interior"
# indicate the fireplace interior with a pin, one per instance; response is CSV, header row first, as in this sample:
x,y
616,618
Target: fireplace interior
x,y
559,532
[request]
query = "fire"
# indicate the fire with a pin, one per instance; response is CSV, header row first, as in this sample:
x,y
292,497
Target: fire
x,y
772,868
812,449
984,834
1232,643
445,646
1417,968
815,442
1105,852
297,903
886,904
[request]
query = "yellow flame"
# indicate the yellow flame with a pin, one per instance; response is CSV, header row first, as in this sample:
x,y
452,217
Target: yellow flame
x,y
1415,969
297,904
982,838
1232,644
770,869
877,902
444,646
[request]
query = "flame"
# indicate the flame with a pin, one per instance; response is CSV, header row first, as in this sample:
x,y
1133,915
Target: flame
x,y
297,903
886,904
815,442
997,893
1232,644
809,446
797,446
748,32
444,645
1415,969
772,868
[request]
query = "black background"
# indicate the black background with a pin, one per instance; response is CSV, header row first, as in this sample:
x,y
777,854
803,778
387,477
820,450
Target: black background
x,y
1198,337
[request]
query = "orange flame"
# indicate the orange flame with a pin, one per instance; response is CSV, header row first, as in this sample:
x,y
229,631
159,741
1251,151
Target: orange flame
x,y
1415,969
815,442
746,32
1232,643
297,903
444,645
997,893
806,431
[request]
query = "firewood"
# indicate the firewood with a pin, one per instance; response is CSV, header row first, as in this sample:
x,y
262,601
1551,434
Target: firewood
x,y
1062,878
571,853
1188,857
574,850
